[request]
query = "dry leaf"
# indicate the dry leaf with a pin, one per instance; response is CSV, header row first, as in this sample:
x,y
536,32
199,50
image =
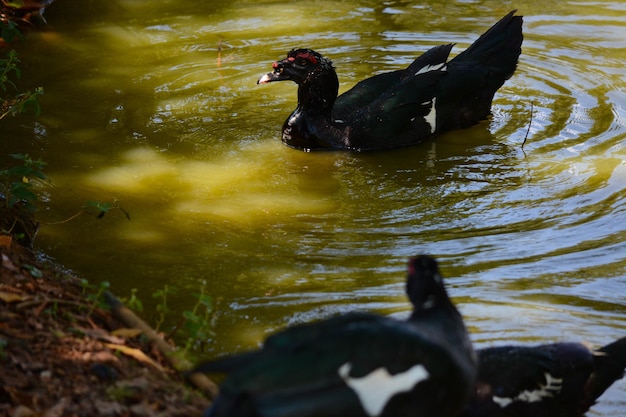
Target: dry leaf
x,y
23,411
8,263
10,297
5,241
126,333
101,334
135,353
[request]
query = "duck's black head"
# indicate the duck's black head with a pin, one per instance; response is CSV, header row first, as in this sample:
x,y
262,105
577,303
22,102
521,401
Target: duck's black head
x,y
316,78
300,65
424,285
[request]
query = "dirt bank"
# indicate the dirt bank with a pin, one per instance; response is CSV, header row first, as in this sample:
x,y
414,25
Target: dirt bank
x,y
63,354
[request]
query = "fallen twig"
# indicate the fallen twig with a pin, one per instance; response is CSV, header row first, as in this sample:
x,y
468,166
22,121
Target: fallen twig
x,y
530,122
200,381
39,302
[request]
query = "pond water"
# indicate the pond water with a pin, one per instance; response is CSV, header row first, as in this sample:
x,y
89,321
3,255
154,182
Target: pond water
x,y
141,108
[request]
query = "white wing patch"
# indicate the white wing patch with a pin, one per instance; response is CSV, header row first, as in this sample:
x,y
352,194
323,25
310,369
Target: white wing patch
x,y
549,389
431,117
376,388
429,68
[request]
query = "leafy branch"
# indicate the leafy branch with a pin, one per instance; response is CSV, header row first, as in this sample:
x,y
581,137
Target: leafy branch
x,y
97,209
8,65
19,180
9,70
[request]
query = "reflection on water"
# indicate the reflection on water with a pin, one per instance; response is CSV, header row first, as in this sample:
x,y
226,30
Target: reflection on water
x,y
140,108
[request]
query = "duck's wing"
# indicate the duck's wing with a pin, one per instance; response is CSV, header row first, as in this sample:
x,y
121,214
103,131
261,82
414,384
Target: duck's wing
x,y
405,114
371,89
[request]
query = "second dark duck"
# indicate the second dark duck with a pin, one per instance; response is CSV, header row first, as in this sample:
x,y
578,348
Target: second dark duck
x,y
550,380
398,108
358,364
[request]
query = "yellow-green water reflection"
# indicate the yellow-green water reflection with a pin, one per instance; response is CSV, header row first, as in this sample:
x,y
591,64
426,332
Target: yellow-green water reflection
x,y
138,109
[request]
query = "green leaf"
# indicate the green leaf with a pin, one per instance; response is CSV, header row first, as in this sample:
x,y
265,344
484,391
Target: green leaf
x,y
206,301
19,171
34,271
39,175
20,156
9,31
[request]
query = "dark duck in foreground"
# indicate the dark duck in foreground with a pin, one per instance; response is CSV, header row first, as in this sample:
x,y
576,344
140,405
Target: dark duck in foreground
x,y
552,380
358,364
398,108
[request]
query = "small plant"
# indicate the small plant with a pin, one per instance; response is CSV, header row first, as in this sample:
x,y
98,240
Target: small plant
x,y
198,323
162,308
133,302
8,65
18,181
14,103
9,31
96,296
195,326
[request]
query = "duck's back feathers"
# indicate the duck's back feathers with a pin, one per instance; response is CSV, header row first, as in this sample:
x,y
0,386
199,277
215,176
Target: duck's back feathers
x,y
372,89
398,104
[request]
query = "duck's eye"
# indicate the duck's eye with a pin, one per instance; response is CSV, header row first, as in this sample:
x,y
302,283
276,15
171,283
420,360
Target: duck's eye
x,y
303,62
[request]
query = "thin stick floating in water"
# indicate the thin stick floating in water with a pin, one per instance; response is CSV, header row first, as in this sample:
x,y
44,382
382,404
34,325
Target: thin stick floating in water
x,y
219,53
530,122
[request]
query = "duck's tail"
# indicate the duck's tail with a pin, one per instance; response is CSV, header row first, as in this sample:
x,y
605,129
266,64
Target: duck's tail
x,y
498,48
609,365
477,73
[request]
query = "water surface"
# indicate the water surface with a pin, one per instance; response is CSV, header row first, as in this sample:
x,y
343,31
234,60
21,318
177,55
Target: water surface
x,y
142,109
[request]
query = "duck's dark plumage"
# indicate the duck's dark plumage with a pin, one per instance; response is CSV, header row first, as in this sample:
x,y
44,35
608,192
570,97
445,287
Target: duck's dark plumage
x,y
551,380
402,107
358,364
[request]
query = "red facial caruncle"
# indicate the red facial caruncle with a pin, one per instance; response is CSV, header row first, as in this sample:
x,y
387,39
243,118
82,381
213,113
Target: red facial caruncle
x,y
307,56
